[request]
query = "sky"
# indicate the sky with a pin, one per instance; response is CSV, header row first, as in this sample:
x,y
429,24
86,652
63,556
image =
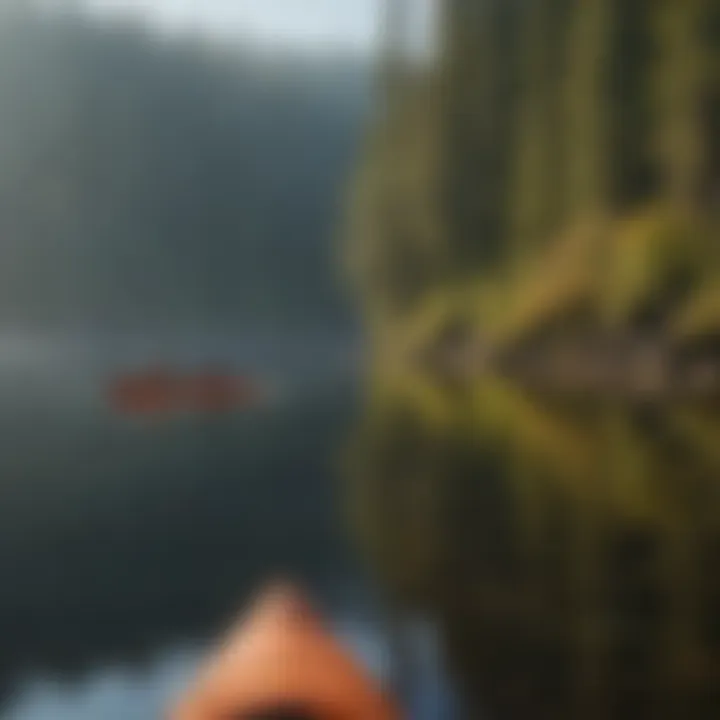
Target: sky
x,y
312,24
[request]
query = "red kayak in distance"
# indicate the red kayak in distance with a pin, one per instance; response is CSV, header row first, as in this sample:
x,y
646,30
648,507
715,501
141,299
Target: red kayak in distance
x,y
220,392
162,391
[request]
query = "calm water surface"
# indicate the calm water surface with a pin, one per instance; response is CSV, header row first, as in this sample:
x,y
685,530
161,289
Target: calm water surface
x,y
495,553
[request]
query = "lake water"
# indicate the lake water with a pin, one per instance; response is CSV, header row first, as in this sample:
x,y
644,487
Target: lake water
x,y
496,554
127,544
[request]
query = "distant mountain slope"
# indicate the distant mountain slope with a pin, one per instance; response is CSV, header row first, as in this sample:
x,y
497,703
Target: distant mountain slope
x,y
148,182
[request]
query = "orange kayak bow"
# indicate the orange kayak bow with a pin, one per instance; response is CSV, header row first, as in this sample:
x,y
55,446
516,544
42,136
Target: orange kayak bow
x,y
280,658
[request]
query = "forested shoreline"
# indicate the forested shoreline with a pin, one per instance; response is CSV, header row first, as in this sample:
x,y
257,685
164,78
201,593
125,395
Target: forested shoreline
x,y
549,189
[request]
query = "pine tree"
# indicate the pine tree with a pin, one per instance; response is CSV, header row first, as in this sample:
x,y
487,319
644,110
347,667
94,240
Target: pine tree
x,y
588,111
479,74
684,86
536,196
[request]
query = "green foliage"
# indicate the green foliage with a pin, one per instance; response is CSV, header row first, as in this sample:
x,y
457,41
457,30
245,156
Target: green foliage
x,y
699,316
554,288
654,259
637,271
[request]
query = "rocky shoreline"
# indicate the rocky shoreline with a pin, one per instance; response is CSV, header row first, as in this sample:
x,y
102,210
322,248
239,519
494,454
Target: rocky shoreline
x,y
631,366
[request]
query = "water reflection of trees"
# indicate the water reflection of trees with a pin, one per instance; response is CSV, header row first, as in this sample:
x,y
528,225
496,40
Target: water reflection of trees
x,y
566,548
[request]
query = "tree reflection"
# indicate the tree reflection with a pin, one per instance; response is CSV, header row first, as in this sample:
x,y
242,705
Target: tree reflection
x,y
564,547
